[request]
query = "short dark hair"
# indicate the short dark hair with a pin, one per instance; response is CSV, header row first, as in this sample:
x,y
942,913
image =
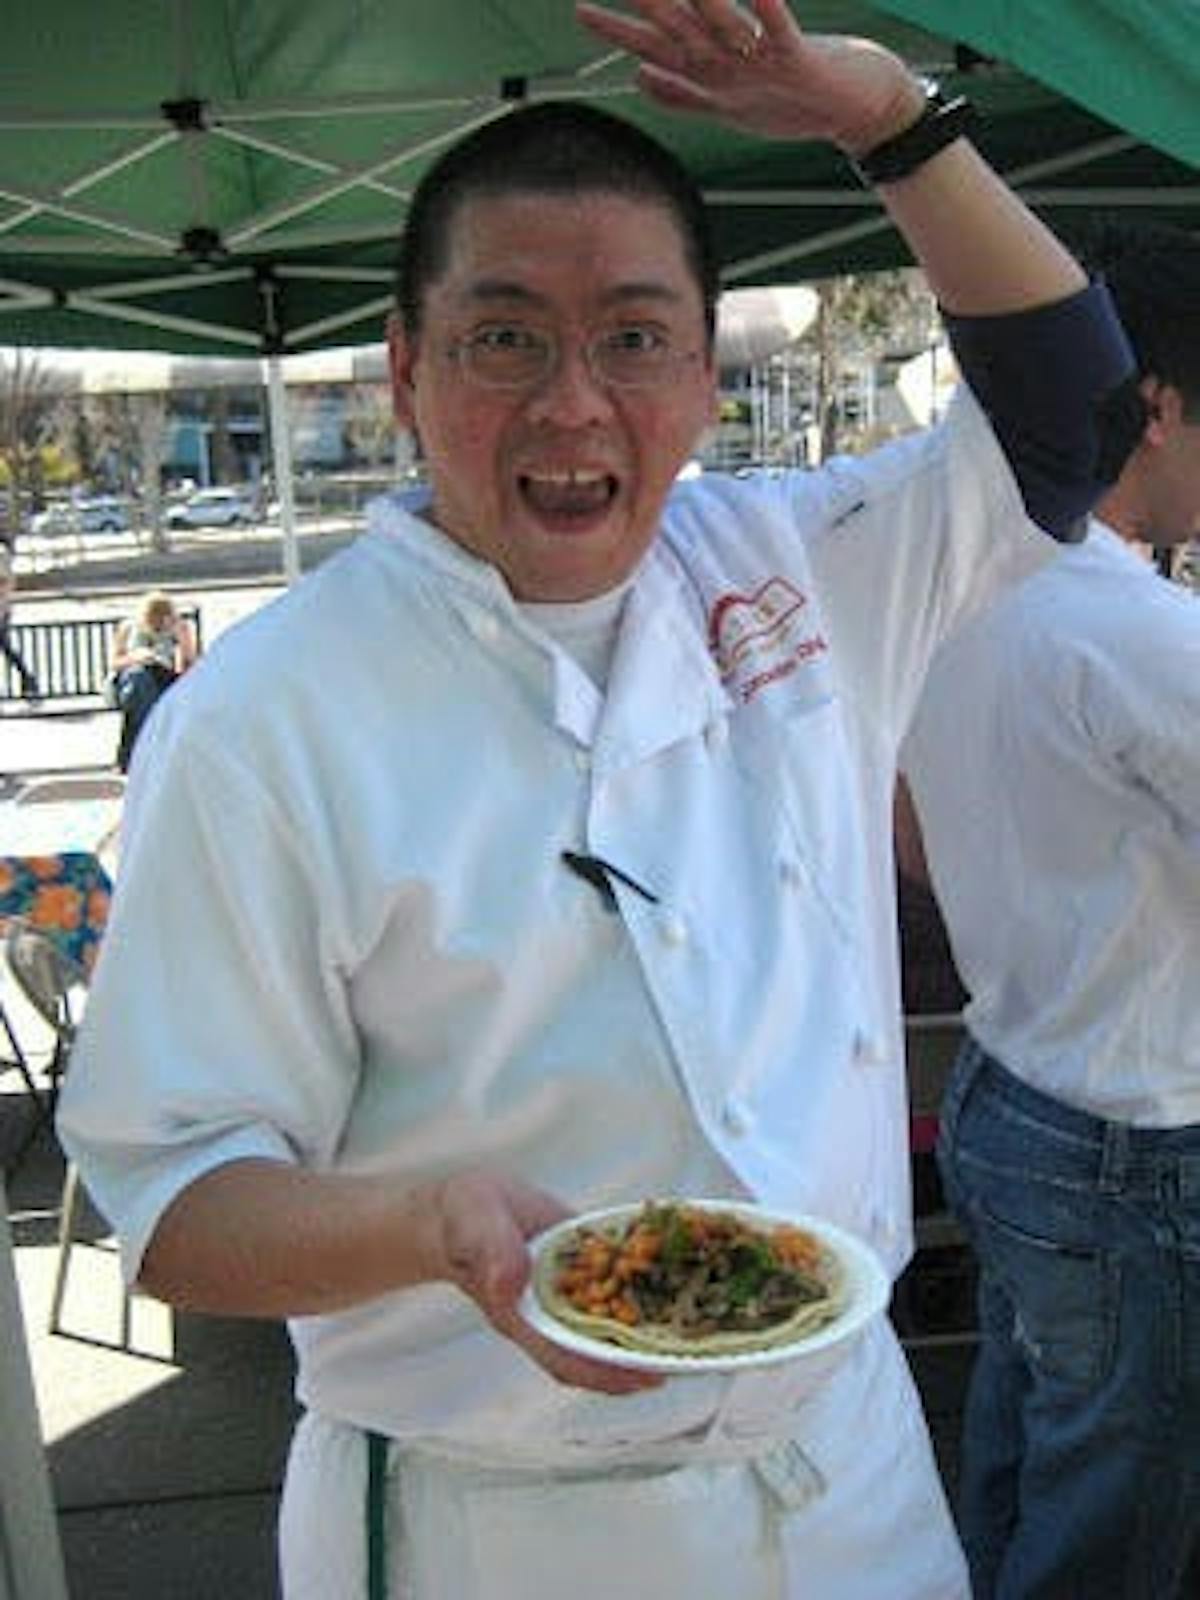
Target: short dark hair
x,y
558,147
1153,273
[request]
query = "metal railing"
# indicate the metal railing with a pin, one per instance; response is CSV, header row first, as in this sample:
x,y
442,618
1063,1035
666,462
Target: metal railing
x,y
68,658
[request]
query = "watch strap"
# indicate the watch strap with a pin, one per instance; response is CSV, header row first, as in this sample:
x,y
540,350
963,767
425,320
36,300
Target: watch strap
x,y
940,123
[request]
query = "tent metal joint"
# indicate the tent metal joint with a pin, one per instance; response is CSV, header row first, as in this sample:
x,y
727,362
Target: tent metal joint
x,y
270,294
968,60
202,245
189,115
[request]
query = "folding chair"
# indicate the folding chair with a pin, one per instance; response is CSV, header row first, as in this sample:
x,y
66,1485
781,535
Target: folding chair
x,y
97,795
15,1057
52,984
72,786
56,988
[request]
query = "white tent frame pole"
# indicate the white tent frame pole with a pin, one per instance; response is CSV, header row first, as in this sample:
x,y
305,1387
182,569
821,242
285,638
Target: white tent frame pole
x,y
31,1564
281,458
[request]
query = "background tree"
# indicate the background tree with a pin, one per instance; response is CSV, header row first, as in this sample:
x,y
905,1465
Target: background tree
x,y
859,316
118,439
106,426
30,417
148,415
370,423
225,463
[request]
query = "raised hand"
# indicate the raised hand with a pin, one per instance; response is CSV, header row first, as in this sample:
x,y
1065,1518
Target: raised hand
x,y
753,67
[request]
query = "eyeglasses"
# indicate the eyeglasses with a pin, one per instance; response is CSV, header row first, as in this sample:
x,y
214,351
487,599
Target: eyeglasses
x,y
503,355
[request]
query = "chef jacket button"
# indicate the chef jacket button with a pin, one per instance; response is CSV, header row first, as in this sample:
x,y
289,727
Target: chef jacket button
x,y
716,734
735,1117
485,627
583,760
868,1050
791,872
674,929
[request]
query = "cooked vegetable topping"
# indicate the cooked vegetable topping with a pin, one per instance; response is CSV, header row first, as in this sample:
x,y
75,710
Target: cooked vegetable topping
x,y
694,1271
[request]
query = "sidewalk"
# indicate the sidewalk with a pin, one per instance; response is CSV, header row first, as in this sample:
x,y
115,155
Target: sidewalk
x,y
67,743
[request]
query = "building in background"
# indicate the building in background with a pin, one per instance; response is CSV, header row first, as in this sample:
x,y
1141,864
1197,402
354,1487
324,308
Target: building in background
x,y
804,370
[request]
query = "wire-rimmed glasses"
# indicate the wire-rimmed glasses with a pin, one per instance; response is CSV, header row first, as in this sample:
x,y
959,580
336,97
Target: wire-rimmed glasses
x,y
503,355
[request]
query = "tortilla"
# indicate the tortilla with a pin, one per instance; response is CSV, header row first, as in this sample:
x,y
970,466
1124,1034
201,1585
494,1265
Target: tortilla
x,y
718,1283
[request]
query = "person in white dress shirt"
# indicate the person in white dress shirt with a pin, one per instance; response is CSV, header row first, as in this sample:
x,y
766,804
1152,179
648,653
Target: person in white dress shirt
x,y
547,864
1054,765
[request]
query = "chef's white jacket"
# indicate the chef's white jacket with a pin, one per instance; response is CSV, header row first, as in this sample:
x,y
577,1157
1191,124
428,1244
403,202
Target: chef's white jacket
x,y
343,935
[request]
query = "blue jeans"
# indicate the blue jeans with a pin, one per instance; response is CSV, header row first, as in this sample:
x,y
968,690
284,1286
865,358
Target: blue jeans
x,y
1081,1435
138,691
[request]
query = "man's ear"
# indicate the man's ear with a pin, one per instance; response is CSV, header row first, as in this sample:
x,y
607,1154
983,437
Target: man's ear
x,y
401,360
1164,408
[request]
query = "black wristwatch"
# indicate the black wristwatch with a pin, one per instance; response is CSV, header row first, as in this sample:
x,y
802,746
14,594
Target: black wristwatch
x,y
940,123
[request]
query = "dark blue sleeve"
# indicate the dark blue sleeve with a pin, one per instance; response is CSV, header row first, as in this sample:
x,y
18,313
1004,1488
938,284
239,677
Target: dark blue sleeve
x,y
1060,389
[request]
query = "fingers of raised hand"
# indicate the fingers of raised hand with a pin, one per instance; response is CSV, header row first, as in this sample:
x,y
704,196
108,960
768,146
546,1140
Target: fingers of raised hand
x,y
692,38
736,30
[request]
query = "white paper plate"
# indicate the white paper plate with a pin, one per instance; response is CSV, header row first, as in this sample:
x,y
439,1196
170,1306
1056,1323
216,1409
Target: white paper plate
x,y
867,1290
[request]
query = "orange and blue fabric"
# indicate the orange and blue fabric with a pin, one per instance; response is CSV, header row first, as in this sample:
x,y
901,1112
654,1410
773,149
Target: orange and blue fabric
x,y
65,896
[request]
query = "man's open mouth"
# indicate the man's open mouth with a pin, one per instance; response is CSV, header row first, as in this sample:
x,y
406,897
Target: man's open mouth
x,y
569,492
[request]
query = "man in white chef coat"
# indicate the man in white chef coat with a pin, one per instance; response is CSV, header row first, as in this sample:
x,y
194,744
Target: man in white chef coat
x,y
548,864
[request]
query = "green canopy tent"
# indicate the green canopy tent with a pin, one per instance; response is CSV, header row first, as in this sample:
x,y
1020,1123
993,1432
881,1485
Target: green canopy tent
x,y
228,176
225,176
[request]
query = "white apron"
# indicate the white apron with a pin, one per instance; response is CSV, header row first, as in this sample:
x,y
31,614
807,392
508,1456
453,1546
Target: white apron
x,y
856,1512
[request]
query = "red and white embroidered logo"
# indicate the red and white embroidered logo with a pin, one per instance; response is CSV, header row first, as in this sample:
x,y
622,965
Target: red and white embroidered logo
x,y
759,638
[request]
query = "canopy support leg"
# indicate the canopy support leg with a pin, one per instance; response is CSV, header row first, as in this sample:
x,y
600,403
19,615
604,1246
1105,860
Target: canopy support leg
x,y
281,456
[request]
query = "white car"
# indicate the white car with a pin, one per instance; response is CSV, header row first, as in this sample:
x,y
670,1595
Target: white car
x,y
212,508
101,514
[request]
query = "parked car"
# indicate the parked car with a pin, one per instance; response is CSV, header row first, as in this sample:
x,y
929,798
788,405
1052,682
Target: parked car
x,y
212,508
98,514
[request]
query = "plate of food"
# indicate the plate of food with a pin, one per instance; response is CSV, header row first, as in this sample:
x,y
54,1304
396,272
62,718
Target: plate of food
x,y
700,1285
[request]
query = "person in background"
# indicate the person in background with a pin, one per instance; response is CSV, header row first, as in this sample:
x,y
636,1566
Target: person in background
x,y
151,651
8,585
546,842
1054,765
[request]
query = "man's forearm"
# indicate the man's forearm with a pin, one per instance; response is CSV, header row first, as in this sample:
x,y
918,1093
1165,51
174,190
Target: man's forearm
x,y
264,1239
982,250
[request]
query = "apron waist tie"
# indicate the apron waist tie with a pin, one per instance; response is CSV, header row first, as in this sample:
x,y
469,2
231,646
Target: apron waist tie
x,y
377,1461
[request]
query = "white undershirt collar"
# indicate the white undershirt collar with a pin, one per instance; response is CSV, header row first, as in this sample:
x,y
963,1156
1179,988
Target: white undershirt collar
x,y
586,629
